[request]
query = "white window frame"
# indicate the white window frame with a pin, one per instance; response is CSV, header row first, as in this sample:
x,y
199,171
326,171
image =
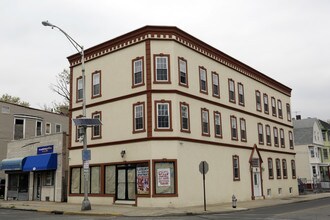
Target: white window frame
x,y
96,80
162,66
46,128
137,69
138,114
36,131
56,126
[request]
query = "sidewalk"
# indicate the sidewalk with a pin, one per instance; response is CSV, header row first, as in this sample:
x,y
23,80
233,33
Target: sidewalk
x,y
127,210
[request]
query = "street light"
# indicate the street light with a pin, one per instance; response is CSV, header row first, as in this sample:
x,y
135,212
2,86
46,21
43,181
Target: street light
x,y
86,205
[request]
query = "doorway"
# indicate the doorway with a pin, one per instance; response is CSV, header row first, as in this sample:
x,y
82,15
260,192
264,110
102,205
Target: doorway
x,y
126,182
37,187
256,184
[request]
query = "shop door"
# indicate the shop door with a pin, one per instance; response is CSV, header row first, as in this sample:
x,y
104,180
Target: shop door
x,y
37,187
125,183
256,184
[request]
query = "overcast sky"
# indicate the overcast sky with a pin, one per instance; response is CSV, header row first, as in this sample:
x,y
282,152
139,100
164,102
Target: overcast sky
x,y
288,40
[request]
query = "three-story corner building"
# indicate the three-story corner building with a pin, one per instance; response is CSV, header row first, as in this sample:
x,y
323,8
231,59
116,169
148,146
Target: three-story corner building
x,y
168,101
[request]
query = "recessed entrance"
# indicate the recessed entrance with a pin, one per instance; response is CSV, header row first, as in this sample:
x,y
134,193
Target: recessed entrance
x,y
126,182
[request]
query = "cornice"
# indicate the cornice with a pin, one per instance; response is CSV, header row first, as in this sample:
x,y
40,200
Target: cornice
x,y
175,34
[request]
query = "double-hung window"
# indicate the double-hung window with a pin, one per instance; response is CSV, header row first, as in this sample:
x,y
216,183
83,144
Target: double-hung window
x,y
275,137
266,105
184,112
183,72
273,102
258,101
293,169
163,115
236,173
288,111
96,84
278,168
291,139
280,112
96,129
260,133
231,85
138,109
162,71
285,170
203,80
217,124
243,129
38,128
233,125
270,168
241,99
138,77
205,122
268,135
215,85
80,92
282,137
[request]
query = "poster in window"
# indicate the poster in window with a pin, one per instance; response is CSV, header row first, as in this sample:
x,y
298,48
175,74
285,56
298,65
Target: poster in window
x,y
164,177
142,180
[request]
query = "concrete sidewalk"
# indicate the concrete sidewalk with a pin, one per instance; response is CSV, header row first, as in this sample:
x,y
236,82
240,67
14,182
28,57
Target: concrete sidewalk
x,y
127,210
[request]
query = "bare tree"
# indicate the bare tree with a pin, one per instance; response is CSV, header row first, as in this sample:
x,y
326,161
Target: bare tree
x,y
62,85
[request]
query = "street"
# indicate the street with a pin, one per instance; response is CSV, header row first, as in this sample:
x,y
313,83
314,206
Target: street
x,y
310,210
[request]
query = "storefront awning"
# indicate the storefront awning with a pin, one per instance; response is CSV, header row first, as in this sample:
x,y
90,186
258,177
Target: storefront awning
x,y
40,162
12,164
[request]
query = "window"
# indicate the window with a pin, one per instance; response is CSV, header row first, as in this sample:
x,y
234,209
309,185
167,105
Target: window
x,y
77,180
163,114
311,150
110,179
202,80
96,129
79,131
48,177
38,128
165,178
231,85
215,85
273,106
279,105
58,128
184,112
143,180
205,122
314,170
217,124
291,139
233,125
278,168
325,154
275,137
241,99
19,129
96,84
268,136
243,129
138,76
258,101
282,137
293,169
48,128
288,111
266,105
260,133
138,112
270,168
162,70
183,72
236,173
80,92
285,170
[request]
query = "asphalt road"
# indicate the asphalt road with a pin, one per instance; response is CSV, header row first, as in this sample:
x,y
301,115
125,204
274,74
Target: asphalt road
x,y
310,210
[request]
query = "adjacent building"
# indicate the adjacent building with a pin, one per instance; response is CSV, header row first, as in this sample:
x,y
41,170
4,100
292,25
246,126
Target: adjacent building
x,y
33,146
312,147
167,102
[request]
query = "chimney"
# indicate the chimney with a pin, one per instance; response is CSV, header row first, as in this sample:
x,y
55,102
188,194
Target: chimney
x,y
298,117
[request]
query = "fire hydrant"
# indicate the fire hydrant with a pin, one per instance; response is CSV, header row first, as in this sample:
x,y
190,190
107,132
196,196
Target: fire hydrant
x,y
233,201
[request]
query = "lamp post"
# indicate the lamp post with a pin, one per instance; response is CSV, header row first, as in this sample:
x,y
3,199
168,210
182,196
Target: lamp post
x,y
86,205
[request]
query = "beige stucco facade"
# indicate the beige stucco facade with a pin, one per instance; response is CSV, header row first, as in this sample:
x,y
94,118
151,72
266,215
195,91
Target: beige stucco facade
x,y
182,151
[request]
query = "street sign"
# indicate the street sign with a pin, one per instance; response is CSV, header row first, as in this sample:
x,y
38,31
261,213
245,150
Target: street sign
x,y
86,154
203,167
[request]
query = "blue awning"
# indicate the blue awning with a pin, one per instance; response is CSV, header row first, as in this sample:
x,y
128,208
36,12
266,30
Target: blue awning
x,y
12,164
40,162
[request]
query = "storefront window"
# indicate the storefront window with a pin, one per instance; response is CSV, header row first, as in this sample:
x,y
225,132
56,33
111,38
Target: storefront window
x,y
95,180
75,180
142,179
164,178
110,179
48,178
